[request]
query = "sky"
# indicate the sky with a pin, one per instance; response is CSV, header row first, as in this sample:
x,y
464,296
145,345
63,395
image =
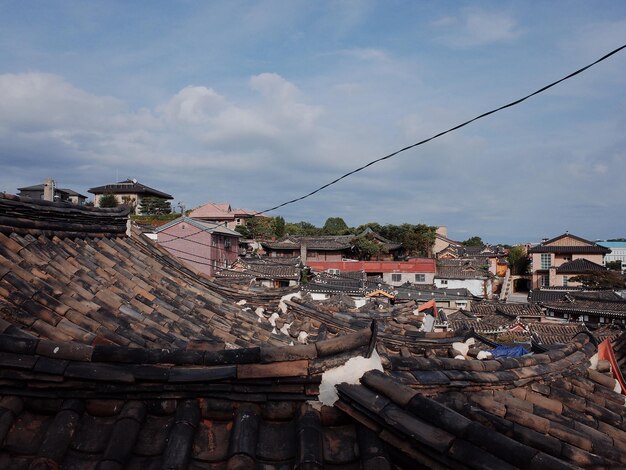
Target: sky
x,y
256,103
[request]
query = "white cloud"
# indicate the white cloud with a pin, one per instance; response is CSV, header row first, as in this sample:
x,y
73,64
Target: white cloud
x,y
477,28
40,101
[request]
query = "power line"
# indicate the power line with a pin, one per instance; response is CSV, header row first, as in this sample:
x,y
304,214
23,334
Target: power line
x,y
481,116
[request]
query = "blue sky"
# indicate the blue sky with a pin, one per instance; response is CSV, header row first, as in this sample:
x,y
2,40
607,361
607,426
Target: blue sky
x,y
257,103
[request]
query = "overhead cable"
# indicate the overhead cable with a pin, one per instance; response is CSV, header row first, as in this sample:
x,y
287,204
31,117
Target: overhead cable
x,y
493,111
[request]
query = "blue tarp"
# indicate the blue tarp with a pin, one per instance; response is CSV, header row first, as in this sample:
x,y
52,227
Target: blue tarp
x,y
508,351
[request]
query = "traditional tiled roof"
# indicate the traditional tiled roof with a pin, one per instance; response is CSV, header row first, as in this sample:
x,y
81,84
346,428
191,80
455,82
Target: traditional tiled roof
x,y
71,273
582,246
328,242
113,355
578,266
543,411
37,217
266,268
67,405
615,309
555,333
486,308
129,187
461,269
551,294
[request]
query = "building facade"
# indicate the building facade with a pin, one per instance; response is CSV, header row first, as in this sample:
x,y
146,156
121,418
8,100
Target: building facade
x,y
203,245
554,262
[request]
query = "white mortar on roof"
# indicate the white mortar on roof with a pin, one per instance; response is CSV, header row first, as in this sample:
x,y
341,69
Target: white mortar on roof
x,y
350,373
282,305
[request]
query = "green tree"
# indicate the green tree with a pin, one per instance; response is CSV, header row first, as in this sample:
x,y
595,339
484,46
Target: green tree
x,y
243,230
155,206
614,265
366,248
335,226
301,229
417,240
373,226
261,227
518,260
601,280
279,226
473,241
107,201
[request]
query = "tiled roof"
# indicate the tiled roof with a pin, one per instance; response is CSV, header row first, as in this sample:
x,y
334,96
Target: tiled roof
x,y
582,247
201,225
129,187
99,286
578,266
263,269
607,309
505,413
113,355
67,405
486,308
329,242
549,294
420,265
461,269
219,211
40,187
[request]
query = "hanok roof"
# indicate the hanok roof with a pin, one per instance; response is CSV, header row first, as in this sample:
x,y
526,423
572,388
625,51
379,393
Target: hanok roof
x,y
129,186
67,405
615,309
114,355
549,294
461,269
507,413
416,265
201,225
71,273
266,268
578,266
569,244
322,243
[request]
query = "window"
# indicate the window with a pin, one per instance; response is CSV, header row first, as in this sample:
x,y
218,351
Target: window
x,y
420,278
228,243
544,281
546,260
396,277
444,282
565,280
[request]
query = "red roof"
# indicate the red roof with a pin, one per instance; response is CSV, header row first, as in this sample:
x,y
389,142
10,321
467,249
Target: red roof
x,y
219,211
419,265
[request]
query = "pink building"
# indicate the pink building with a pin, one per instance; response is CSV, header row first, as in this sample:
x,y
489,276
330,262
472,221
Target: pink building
x,y
204,245
556,261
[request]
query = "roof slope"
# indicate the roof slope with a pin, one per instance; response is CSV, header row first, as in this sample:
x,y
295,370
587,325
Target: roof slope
x,y
560,245
129,186
580,265
544,411
88,282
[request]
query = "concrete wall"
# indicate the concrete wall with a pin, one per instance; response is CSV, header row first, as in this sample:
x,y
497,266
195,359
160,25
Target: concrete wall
x,y
200,249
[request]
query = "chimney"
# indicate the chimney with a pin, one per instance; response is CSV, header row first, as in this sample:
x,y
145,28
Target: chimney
x,y
303,251
48,190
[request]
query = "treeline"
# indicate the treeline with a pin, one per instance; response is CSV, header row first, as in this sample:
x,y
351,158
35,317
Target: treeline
x,y
417,240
